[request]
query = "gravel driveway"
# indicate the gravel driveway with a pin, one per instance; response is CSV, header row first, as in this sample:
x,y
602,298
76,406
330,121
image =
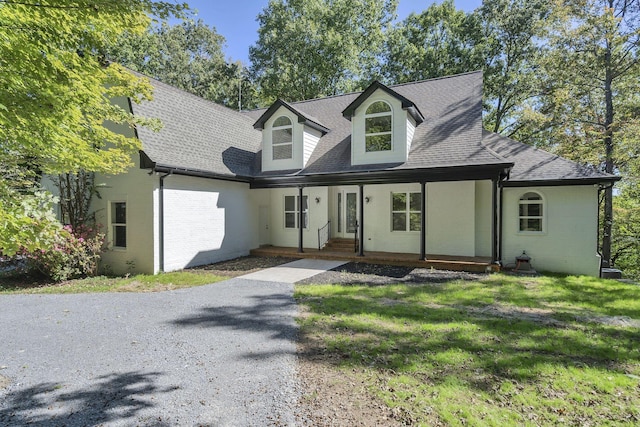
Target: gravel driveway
x,y
220,355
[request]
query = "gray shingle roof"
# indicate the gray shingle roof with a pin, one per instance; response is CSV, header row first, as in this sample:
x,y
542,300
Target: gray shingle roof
x,y
197,135
201,136
450,135
532,164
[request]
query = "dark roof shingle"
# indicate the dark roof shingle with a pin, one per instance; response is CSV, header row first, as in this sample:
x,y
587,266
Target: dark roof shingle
x,y
197,134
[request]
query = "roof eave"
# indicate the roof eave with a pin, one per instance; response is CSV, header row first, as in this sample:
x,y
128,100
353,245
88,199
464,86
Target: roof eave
x,y
386,176
561,182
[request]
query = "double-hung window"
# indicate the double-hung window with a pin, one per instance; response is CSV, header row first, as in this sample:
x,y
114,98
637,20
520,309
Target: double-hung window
x,y
282,138
406,211
531,212
119,224
291,211
378,120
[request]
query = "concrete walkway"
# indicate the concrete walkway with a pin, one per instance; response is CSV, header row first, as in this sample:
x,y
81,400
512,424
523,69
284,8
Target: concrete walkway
x,y
295,271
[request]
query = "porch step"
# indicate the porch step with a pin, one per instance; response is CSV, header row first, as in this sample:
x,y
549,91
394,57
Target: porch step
x,y
340,245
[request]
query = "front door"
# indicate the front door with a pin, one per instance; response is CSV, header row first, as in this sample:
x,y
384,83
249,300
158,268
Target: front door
x,y
347,214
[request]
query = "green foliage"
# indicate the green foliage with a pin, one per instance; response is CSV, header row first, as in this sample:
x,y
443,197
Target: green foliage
x,y
626,234
27,221
440,41
188,56
312,48
502,350
512,37
55,97
74,253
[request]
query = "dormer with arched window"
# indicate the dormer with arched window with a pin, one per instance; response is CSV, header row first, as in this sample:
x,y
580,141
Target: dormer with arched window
x,y
288,137
383,123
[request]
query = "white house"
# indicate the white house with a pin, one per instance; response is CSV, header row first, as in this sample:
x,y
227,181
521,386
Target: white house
x,y
408,167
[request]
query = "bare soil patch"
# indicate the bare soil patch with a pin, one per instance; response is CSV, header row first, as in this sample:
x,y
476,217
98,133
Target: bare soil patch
x,y
243,265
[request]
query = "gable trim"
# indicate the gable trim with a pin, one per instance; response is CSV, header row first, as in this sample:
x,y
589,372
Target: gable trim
x,y
407,104
302,118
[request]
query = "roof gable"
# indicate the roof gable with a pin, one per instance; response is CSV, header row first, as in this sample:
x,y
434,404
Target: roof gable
x,y
302,117
407,104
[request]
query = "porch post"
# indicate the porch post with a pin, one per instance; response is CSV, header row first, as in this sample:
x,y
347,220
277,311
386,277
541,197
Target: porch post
x,y
494,222
300,219
361,225
423,222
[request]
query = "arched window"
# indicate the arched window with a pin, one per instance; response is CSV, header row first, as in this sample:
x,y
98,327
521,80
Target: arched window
x,y
282,138
378,120
531,212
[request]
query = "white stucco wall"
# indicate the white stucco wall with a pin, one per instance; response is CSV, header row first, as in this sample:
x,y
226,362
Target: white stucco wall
x,y
135,187
569,240
288,237
450,219
483,218
206,221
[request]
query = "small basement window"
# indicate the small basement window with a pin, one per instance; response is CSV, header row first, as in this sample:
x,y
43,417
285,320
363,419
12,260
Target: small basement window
x,y
119,224
531,212
378,121
282,138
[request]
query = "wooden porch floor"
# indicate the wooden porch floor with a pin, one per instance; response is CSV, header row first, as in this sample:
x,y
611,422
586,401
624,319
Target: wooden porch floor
x,y
439,262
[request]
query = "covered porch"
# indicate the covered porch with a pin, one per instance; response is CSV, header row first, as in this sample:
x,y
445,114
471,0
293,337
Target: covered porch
x,y
440,262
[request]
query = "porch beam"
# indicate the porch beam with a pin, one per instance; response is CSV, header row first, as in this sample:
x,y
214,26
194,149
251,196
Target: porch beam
x,y
300,220
361,224
494,220
423,221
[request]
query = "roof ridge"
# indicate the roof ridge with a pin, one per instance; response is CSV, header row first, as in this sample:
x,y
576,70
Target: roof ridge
x,y
357,92
192,95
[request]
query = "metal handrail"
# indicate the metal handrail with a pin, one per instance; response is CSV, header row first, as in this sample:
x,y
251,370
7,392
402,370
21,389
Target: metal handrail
x,y
324,234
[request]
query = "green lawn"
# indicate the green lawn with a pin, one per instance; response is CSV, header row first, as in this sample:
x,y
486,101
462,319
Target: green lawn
x,y
501,351
138,283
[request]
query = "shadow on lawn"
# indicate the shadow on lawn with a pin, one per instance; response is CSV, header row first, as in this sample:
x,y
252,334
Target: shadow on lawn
x,y
465,343
116,397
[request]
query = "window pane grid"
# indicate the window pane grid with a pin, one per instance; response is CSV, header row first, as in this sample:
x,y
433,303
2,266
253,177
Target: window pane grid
x,y
291,212
530,212
119,224
406,211
378,121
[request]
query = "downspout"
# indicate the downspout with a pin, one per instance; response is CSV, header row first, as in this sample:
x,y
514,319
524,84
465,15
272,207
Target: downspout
x,y
300,220
500,216
361,225
161,221
494,220
423,221
601,188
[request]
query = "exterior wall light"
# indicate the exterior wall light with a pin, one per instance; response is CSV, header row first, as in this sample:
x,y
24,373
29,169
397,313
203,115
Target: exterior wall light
x,y
368,199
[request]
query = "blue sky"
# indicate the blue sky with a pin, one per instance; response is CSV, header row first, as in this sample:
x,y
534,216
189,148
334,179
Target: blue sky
x,y
236,20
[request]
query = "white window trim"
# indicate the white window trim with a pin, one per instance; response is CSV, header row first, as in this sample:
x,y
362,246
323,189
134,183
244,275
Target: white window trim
x,y
390,133
281,144
406,211
295,211
543,217
113,225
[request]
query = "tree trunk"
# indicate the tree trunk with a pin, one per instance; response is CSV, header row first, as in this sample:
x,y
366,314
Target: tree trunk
x,y
608,145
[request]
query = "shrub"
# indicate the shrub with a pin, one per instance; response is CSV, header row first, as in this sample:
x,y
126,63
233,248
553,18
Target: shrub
x,y
75,253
